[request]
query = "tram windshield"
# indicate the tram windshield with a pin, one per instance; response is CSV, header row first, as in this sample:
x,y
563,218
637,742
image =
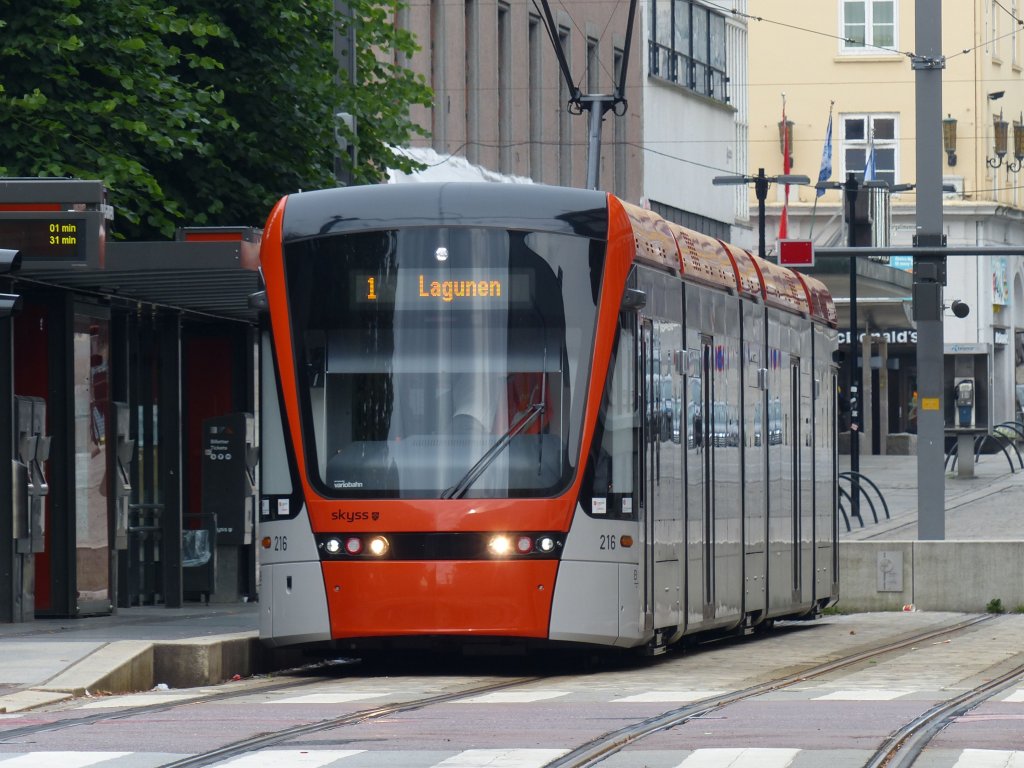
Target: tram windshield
x,y
443,362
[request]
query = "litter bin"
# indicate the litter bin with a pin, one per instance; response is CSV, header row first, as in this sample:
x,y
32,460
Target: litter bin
x,y
199,556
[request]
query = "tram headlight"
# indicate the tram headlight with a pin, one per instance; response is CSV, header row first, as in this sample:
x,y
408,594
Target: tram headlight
x,y
378,546
524,545
545,544
332,546
499,545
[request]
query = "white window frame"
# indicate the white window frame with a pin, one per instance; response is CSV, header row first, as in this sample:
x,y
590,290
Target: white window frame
x,y
1014,37
993,35
868,49
893,143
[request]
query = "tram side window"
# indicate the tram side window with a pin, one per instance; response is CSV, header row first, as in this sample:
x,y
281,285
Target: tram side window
x,y
609,486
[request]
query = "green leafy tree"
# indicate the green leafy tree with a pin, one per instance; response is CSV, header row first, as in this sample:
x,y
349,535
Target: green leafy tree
x,y
202,113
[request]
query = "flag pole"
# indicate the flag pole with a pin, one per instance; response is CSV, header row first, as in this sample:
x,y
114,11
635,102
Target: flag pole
x,y
825,173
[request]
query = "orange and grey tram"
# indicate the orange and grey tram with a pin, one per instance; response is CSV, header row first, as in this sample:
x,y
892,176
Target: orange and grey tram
x,y
497,413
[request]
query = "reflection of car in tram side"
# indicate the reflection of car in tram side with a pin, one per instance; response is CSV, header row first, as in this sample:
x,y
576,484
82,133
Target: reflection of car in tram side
x,y
775,421
469,410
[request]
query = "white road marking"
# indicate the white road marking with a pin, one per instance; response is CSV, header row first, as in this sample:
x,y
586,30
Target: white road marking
x,y
293,758
139,700
325,698
513,697
1015,697
502,758
990,758
740,758
668,696
876,694
60,759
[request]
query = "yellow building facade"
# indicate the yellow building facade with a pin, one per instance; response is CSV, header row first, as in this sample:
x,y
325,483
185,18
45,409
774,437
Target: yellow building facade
x,y
853,59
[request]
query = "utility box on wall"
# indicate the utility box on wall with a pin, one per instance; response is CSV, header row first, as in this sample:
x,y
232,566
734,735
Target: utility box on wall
x,y
228,476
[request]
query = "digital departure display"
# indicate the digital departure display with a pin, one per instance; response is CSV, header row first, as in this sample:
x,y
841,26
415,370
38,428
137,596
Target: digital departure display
x,y
47,237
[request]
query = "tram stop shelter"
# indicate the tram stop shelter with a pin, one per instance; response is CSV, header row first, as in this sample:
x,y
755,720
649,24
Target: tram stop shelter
x,y
119,353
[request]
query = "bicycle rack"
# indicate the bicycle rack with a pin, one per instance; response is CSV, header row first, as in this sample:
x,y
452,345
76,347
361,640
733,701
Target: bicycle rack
x,y
1001,441
860,480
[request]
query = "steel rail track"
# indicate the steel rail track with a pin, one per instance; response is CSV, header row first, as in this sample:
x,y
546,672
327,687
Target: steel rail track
x,y
597,750
903,747
588,754
6,736
245,746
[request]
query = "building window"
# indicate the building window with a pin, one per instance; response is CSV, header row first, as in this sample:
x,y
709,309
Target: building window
x,y
438,46
686,46
593,67
504,88
536,123
619,155
472,43
860,133
564,117
996,31
1014,54
867,25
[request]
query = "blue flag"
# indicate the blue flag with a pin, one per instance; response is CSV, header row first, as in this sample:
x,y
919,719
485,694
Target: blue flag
x,y
870,173
826,157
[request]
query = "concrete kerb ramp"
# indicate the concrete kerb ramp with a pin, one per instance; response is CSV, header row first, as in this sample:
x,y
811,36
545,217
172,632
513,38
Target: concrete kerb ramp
x,y
959,576
131,666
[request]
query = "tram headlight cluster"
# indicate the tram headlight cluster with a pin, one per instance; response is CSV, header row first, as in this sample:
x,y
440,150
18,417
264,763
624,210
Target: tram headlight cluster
x,y
440,546
505,545
374,546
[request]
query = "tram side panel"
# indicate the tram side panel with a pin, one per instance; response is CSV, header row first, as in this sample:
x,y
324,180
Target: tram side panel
x,y
754,450
728,509
598,590
293,600
803,335
825,510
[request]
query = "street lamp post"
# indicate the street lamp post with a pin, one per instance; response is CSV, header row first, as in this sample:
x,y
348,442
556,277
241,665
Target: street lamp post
x,y
761,183
850,188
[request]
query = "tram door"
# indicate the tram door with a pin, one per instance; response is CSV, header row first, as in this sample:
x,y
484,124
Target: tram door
x,y
700,482
795,468
661,471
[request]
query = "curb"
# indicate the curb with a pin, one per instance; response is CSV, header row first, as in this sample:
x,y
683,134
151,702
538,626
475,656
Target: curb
x,y
131,666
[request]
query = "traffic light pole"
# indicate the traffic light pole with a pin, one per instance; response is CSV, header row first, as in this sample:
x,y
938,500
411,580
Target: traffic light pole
x,y
929,274
853,390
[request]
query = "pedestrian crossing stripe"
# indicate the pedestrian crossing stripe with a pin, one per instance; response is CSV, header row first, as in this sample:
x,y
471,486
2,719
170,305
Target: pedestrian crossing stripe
x,y
60,759
513,697
293,758
990,758
742,757
502,758
668,697
721,757
866,694
326,698
141,700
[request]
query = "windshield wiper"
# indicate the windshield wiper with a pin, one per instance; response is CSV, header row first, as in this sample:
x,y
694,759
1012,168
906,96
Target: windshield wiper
x,y
459,489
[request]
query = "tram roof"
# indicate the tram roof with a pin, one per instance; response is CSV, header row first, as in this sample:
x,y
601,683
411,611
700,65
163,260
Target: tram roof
x,y
454,204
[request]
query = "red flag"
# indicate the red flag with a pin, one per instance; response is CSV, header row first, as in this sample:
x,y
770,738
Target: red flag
x,y
784,220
